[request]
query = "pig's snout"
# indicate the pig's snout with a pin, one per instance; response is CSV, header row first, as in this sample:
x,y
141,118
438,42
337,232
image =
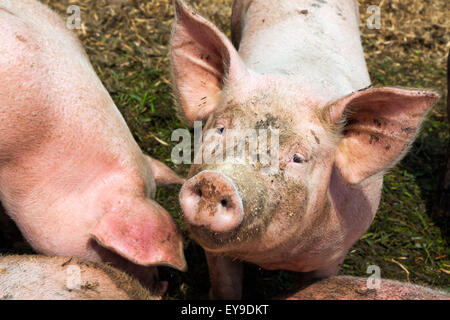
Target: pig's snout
x,y
211,199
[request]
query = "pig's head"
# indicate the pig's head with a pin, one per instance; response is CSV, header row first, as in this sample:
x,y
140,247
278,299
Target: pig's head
x,y
229,206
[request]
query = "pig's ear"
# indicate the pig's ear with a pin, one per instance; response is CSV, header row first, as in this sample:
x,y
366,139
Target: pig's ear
x,y
380,124
202,58
142,232
163,174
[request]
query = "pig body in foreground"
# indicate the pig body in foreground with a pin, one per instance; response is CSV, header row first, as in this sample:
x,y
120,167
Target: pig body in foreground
x,y
296,67
71,175
37,277
354,288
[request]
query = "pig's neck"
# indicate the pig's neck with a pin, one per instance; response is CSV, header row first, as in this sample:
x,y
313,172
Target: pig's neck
x,y
315,41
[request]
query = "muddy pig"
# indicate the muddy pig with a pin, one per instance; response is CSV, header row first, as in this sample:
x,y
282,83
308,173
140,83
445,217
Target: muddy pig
x,y
72,176
295,72
355,288
36,277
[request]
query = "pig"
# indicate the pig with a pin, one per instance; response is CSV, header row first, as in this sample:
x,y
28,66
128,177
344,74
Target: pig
x,y
72,177
355,288
297,70
37,277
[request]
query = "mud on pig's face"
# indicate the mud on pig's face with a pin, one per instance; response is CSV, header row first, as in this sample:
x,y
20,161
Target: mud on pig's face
x,y
229,202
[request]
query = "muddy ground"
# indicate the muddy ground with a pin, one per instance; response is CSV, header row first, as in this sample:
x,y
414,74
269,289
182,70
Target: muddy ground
x,y
127,42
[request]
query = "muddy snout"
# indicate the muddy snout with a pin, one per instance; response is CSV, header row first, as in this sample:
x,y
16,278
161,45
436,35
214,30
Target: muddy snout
x,y
211,199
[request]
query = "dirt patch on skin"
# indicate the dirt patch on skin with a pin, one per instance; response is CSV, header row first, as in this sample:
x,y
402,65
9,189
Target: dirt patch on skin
x,y
270,121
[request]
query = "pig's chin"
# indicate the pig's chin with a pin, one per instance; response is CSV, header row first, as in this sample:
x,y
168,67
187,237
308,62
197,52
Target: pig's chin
x,y
245,235
214,241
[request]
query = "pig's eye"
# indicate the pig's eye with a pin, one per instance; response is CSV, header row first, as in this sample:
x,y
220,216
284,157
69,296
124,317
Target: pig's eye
x,y
298,158
220,130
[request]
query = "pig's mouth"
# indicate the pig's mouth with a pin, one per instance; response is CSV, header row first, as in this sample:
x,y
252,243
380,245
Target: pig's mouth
x,y
212,240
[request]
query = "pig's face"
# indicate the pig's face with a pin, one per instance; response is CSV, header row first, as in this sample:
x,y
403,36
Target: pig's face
x,y
324,145
229,205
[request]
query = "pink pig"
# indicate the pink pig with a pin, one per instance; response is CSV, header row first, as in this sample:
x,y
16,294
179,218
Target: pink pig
x,y
36,277
71,175
296,66
355,288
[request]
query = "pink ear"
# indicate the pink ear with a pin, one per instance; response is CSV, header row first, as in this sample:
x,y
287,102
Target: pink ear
x,y
142,232
163,174
201,58
380,126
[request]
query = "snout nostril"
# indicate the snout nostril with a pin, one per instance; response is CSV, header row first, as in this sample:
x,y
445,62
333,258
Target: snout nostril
x,y
224,203
197,191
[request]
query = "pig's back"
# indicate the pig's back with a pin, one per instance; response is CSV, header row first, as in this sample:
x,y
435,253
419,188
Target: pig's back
x,y
50,95
318,43
61,135
36,38
40,18
55,278
44,71
354,288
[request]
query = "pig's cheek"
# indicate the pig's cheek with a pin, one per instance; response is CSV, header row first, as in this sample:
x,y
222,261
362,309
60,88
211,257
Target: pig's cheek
x,y
296,171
